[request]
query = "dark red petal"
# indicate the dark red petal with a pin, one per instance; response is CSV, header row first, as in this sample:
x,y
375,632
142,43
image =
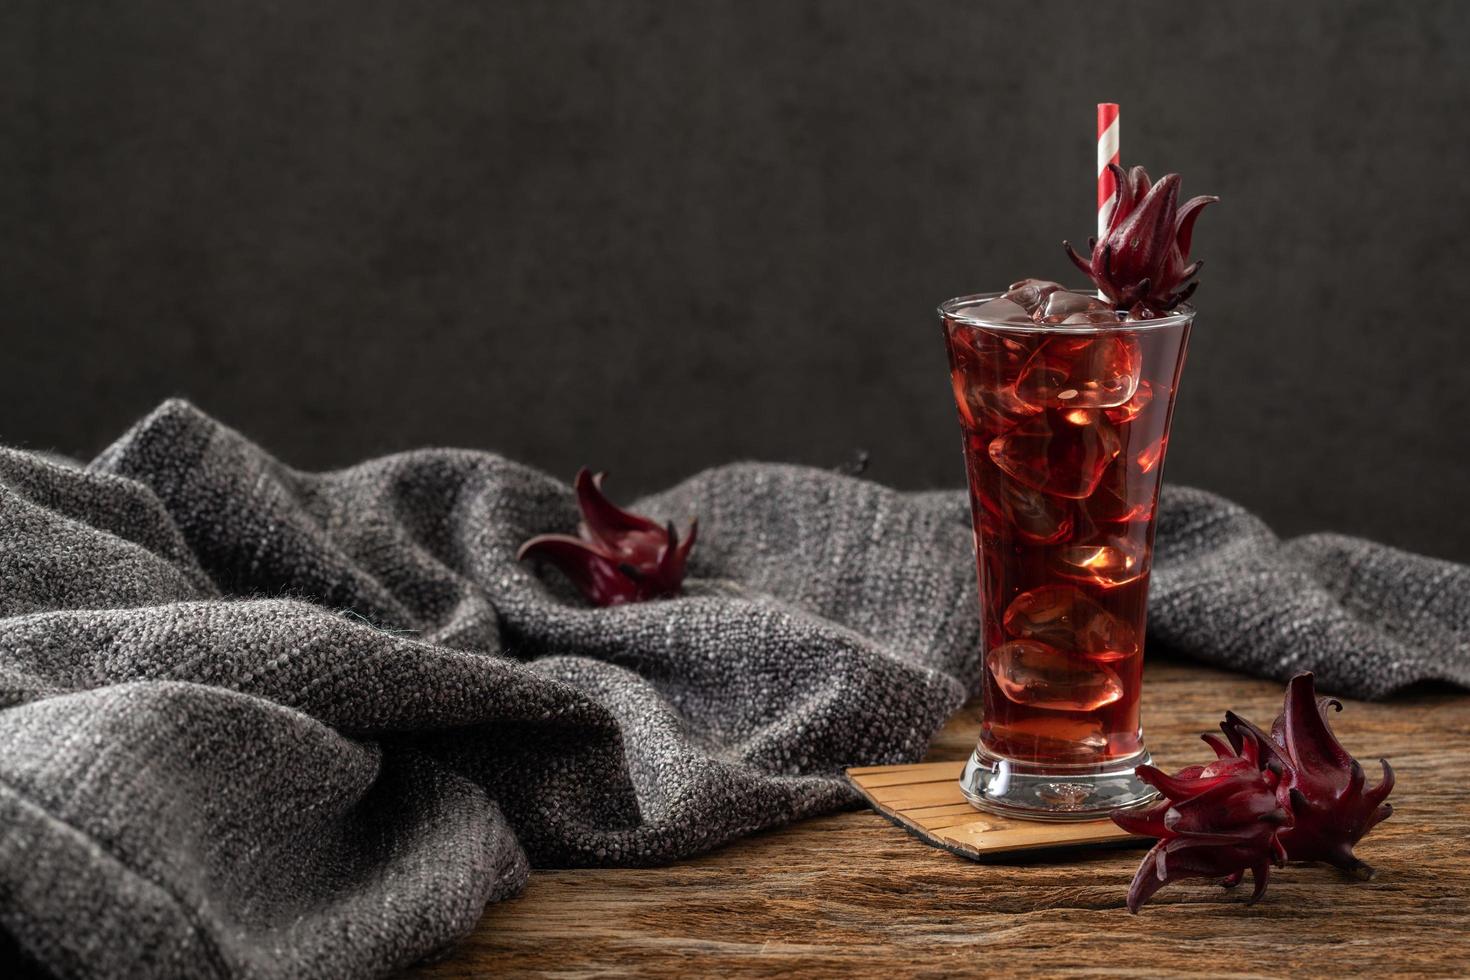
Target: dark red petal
x,y
1231,731
669,572
1155,212
1356,778
1170,861
1077,260
605,521
1173,787
596,575
1135,293
1195,841
1146,880
1141,183
672,558
1240,731
1309,741
1240,807
1184,222
1222,749
1379,793
1381,814
1179,297
1262,875
1148,822
1234,765
1123,197
688,544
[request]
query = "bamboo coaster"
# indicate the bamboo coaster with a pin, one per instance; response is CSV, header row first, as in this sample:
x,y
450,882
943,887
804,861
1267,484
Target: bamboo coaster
x,y
925,799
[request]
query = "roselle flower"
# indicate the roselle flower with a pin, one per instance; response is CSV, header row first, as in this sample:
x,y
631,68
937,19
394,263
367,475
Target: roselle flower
x,y
1216,821
617,556
1321,783
1140,261
1298,781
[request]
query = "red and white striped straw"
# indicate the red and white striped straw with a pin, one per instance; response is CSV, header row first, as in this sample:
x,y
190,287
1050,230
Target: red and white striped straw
x,y
1107,152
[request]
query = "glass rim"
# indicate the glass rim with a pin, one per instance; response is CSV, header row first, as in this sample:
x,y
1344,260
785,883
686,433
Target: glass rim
x,y
951,309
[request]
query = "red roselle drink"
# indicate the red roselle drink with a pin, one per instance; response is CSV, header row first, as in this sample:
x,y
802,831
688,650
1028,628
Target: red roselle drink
x,y
1064,406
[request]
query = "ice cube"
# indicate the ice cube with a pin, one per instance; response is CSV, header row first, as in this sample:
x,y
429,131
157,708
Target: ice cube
x,y
988,408
1071,621
1038,518
1125,494
1029,293
1001,310
1128,489
1056,456
989,353
1033,515
1116,561
1087,318
1064,738
1086,371
1037,675
1129,410
1074,308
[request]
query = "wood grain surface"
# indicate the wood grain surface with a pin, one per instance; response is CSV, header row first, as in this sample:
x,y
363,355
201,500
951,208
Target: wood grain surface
x,y
851,894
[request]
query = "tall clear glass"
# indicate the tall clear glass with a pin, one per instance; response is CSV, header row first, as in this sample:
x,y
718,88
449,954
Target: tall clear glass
x,y
1065,429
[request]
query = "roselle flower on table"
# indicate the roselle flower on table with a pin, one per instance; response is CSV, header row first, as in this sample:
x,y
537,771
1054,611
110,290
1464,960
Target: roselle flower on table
x,y
617,556
1294,794
1140,263
1216,821
1326,787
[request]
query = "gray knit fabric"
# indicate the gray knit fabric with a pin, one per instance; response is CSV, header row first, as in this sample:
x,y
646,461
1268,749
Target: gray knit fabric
x,y
268,723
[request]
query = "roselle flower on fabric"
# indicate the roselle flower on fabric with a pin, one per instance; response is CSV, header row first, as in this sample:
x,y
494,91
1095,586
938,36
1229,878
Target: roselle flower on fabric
x,y
617,556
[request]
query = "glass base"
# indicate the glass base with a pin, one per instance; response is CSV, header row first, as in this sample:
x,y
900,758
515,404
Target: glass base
x,y
1003,786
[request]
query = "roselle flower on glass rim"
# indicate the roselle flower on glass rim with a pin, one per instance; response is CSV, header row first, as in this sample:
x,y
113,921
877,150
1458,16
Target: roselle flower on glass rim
x,y
1140,261
617,556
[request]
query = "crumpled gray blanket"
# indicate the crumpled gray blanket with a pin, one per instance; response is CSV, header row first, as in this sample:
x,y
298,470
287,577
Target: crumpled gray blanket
x,y
268,723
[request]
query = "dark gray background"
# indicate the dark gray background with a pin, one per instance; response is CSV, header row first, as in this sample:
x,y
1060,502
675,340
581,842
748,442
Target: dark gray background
x,y
657,236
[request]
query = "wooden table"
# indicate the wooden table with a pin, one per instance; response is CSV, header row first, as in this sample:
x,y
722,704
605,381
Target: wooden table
x,y
852,894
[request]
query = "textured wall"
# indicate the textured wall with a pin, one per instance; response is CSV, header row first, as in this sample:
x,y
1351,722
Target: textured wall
x,y
656,236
